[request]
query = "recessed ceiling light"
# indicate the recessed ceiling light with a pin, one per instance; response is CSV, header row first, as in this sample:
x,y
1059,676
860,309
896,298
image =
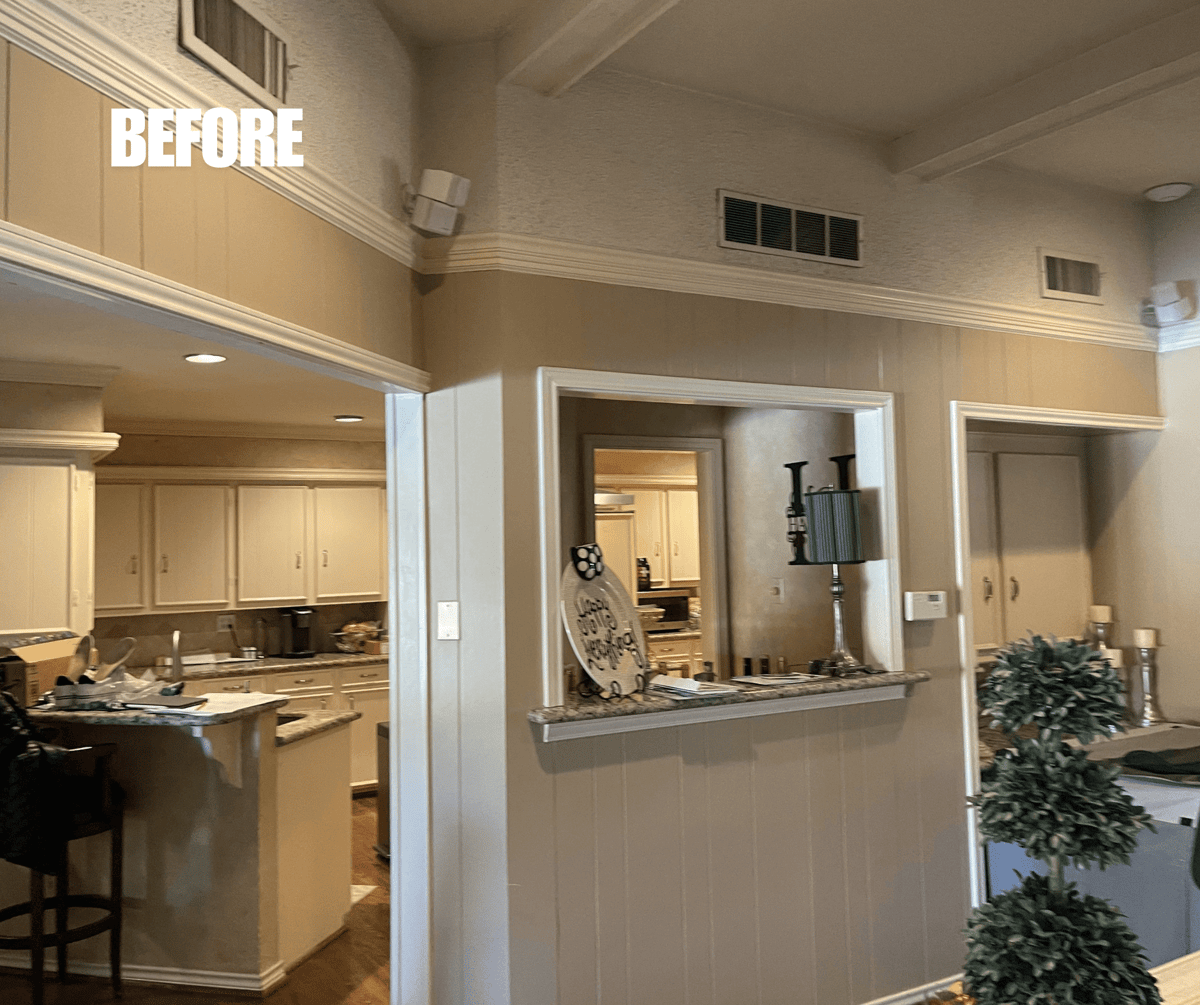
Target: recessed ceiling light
x,y
1168,192
347,418
204,357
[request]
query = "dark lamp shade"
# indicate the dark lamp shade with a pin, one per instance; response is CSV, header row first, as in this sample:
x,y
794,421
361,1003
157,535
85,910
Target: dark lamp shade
x,y
834,536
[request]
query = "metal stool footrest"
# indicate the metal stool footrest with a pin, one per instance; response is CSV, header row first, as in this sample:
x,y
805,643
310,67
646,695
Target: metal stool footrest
x,y
52,939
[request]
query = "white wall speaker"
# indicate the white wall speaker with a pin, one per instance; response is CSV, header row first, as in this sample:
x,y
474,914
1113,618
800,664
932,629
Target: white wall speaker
x,y
1170,303
435,205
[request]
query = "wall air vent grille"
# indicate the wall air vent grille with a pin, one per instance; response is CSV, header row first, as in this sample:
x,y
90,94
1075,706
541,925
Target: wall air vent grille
x,y
749,223
1067,276
241,43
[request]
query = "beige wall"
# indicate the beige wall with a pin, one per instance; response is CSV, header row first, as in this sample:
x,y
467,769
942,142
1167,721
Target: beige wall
x,y
821,856
1147,547
245,452
758,443
50,406
213,229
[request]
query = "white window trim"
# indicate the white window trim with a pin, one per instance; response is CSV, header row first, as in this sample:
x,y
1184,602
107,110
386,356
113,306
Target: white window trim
x,y
1081,298
208,55
875,443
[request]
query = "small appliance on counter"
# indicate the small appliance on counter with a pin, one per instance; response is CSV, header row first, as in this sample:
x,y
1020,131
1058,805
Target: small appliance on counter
x,y
674,604
298,625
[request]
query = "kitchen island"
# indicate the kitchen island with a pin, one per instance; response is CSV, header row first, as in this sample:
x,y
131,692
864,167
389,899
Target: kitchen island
x,y
237,840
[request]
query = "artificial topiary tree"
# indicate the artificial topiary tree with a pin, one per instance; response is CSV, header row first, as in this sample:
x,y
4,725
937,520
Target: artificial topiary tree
x,y
1044,943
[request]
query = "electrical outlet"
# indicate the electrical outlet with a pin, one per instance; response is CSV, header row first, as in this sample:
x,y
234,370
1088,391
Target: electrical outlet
x,y
776,591
225,622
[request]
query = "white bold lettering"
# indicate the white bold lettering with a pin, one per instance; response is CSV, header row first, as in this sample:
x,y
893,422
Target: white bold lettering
x,y
186,134
220,124
286,136
157,137
128,144
256,129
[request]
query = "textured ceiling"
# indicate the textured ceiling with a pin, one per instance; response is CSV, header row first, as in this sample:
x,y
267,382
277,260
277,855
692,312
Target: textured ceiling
x,y
156,384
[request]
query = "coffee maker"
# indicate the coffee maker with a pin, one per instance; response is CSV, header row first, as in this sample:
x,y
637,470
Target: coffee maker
x,y
298,626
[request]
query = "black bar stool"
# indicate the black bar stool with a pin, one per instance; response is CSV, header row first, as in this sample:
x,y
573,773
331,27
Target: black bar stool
x,y
89,802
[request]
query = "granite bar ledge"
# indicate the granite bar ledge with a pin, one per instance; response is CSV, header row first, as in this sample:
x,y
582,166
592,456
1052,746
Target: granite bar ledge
x,y
592,716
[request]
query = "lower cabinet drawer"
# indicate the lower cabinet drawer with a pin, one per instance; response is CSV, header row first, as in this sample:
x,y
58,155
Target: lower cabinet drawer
x,y
303,680
225,684
659,650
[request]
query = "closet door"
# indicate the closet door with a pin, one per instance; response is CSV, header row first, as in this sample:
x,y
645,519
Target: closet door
x,y
1043,545
987,605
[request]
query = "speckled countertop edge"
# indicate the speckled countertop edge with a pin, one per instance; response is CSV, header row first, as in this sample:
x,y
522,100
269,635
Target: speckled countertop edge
x,y
597,708
134,717
272,664
313,723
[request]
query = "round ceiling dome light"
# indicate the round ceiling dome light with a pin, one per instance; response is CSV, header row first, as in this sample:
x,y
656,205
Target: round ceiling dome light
x,y
347,418
204,357
1168,192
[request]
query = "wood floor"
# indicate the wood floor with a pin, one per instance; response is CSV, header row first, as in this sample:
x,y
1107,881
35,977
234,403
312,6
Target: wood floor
x,y
351,970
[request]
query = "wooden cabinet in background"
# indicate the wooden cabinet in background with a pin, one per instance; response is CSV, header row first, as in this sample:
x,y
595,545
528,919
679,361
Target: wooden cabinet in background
x,y
121,512
350,558
191,545
272,544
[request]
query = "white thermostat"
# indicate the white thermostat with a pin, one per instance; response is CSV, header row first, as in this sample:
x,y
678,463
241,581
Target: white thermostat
x,y
925,606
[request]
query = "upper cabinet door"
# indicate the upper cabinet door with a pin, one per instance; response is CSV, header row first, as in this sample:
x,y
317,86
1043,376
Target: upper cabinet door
x,y
119,561
350,557
648,507
987,604
1043,546
191,550
36,537
683,520
615,534
272,544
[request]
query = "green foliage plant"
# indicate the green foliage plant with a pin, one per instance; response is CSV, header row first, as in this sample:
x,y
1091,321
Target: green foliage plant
x,y
1044,943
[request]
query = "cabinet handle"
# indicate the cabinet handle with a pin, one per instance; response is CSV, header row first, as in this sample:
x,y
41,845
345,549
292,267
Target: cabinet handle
x,y
165,564
366,675
987,589
676,547
657,549
351,703
133,565
303,680
325,557
1016,587
236,687
323,701
297,560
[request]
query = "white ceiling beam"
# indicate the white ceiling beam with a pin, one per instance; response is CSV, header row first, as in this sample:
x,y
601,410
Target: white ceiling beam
x,y
1146,61
564,40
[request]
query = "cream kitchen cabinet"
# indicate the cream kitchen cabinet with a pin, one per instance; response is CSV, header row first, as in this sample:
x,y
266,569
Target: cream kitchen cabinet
x,y
121,525
615,533
272,544
683,536
350,558
192,524
45,559
1031,571
650,517
218,685
667,529
364,689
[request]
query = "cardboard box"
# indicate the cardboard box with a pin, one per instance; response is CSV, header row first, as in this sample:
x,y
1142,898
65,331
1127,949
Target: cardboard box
x,y
42,663
374,647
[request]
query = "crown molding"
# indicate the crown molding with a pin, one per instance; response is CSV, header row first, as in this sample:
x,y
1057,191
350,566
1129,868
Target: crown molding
x,y
19,371
340,432
1054,416
564,260
75,44
1184,335
62,270
45,442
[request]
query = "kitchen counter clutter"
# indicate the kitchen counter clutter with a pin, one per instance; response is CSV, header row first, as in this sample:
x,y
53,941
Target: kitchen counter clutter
x,y
271,664
593,716
218,710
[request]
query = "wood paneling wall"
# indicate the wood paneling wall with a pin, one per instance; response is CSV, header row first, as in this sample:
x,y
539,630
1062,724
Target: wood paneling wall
x,y
816,857
213,229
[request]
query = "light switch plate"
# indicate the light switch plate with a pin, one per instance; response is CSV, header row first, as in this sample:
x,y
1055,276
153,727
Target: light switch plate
x,y
447,619
925,606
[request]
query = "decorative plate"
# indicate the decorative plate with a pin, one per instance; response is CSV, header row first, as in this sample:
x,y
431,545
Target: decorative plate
x,y
604,629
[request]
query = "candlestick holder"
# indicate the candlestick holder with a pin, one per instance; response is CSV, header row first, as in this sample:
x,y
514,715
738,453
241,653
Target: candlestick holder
x,y
1147,673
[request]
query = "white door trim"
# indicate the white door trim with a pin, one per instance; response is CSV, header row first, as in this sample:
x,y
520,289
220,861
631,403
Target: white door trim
x,y
960,412
55,268
874,431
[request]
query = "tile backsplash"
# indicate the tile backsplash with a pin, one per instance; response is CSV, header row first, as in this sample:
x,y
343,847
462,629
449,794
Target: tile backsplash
x,y
153,631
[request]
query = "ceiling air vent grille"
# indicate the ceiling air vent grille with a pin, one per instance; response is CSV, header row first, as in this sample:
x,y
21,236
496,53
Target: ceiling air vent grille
x,y
1067,276
749,223
240,42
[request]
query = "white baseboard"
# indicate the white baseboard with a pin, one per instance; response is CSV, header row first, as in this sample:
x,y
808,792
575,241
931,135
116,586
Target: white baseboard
x,y
213,979
918,994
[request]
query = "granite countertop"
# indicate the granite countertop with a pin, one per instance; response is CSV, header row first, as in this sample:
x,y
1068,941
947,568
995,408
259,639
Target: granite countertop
x,y
271,664
310,722
671,636
219,709
579,708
